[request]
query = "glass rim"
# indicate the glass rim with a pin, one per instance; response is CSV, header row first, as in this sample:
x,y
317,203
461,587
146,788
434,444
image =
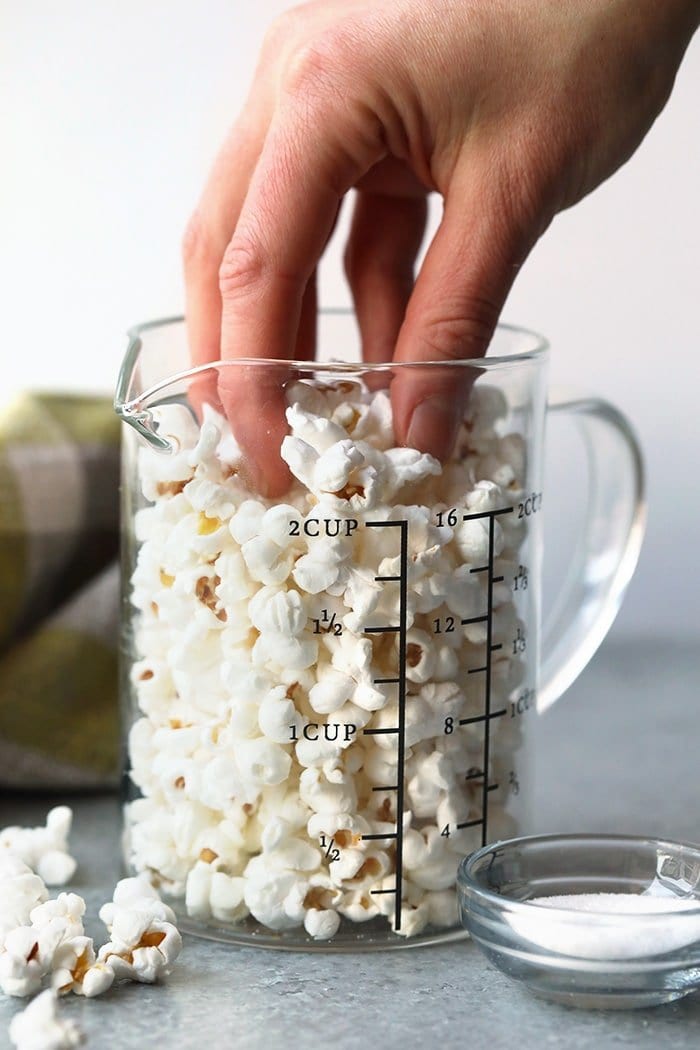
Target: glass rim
x,y
468,881
537,351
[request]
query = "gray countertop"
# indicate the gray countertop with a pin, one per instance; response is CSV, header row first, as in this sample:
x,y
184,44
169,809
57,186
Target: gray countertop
x,y
619,753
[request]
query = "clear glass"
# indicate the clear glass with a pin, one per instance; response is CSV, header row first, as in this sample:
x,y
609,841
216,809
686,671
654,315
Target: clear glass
x,y
329,691
616,958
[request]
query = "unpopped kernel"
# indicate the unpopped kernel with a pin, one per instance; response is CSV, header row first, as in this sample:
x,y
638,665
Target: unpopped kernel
x,y
259,692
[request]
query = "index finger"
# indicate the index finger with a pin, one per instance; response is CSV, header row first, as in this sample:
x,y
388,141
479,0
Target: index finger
x,y
312,155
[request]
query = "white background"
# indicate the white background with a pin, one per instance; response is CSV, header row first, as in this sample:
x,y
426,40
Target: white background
x,y
109,116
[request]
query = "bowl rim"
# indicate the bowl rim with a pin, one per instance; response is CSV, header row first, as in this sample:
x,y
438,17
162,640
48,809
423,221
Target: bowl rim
x,y
467,884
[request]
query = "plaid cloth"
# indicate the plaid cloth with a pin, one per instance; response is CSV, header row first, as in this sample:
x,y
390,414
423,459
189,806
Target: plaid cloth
x,y
59,480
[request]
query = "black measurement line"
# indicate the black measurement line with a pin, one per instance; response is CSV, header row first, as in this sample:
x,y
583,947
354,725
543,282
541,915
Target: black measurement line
x,y
480,568
386,787
487,705
472,823
387,579
474,619
400,730
487,514
498,579
480,776
482,718
403,602
372,838
496,647
476,775
385,681
478,670
394,890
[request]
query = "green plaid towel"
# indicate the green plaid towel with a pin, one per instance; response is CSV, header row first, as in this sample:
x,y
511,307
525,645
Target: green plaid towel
x,y
59,479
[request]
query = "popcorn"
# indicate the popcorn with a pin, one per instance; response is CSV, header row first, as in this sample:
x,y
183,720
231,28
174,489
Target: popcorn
x,y
132,893
142,947
323,795
21,971
44,849
144,941
38,1027
212,893
54,922
321,923
77,970
20,891
266,741
278,611
430,862
332,689
278,716
320,569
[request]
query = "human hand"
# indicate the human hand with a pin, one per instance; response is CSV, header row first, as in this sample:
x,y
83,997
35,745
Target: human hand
x,y
512,111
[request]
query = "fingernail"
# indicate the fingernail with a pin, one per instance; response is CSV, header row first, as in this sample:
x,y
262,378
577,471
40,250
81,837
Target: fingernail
x,y
433,426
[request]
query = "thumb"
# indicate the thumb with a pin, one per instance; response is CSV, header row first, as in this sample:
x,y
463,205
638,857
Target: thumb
x,y
453,310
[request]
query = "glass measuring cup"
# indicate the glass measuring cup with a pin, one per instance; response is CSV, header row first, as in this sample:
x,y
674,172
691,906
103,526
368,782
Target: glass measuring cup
x,y
329,693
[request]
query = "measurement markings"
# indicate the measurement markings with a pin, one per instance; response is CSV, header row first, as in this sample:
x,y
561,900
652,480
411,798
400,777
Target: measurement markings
x,y
383,891
487,705
387,579
373,838
491,647
401,629
386,787
381,732
487,514
385,681
483,718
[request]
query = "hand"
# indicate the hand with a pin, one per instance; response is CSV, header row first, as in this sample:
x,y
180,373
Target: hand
x,y
511,111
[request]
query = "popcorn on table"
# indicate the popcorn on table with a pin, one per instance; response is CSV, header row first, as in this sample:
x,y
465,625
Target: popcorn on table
x,y
43,941
44,849
254,679
39,1026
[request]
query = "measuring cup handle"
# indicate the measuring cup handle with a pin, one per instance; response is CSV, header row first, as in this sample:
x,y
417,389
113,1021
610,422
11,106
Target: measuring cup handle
x,y
608,546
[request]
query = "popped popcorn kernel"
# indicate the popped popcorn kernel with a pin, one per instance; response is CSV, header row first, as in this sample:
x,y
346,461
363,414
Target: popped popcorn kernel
x,y
207,525
39,1026
267,652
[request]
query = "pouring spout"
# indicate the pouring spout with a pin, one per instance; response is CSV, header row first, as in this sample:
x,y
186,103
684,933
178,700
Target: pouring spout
x,y
144,424
130,403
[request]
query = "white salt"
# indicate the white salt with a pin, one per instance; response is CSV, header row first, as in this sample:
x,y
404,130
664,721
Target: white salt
x,y
661,928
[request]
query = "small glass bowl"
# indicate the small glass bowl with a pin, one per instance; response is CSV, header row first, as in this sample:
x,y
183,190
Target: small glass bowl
x,y
603,959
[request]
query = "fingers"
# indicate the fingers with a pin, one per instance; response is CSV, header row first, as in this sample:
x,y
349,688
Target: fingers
x,y
306,336
385,238
453,311
310,158
209,231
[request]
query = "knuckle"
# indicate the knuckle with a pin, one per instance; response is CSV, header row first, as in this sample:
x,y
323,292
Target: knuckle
x,y
318,62
462,334
283,28
242,266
